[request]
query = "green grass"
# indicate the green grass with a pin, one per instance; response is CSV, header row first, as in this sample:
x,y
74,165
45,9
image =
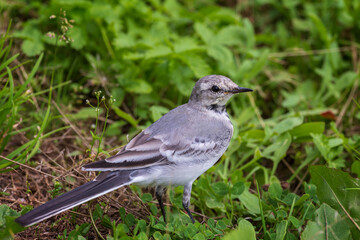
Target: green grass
x,y
300,57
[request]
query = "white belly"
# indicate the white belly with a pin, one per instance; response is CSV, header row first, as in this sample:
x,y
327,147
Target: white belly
x,y
174,175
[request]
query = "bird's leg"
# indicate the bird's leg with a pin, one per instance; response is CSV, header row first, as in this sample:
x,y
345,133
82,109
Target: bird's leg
x,y
186,200
159,192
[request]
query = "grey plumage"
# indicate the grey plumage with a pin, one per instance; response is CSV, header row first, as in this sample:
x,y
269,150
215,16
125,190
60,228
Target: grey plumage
x,y
175,150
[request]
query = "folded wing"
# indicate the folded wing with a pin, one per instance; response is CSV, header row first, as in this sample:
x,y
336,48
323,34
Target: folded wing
x,y
145,151
141,152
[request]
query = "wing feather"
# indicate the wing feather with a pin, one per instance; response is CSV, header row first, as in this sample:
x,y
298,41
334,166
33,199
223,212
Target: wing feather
x,y
141,152
194,150
145,150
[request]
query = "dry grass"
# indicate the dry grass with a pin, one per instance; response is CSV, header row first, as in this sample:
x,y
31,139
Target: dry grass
x,y
27,185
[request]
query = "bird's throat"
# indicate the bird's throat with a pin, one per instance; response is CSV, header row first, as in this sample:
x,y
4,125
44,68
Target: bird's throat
x,y
217,108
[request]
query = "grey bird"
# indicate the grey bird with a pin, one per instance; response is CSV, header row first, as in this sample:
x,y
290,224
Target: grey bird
x,y
173,151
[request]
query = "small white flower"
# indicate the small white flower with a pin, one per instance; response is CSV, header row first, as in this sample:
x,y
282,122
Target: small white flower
x,y
50,34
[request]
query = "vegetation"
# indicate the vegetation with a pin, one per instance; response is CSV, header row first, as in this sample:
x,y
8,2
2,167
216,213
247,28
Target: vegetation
x,y
80,78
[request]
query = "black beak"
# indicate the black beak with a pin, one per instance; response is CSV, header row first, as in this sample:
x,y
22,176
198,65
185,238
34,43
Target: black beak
x,y
240,90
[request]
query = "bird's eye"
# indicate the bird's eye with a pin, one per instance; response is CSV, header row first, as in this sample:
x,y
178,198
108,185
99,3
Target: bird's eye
x,y
215,88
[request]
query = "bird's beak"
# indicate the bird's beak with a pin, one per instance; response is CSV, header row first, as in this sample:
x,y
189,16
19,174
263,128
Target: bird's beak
x,y
240,90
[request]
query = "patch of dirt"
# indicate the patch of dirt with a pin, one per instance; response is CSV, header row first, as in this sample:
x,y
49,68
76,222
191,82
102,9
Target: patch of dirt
x,y
32,185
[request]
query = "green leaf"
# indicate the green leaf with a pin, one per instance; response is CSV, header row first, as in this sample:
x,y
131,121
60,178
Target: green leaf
x,y
277,150
334,142
295,222
275,190
258,66
346,80
158,236
339,191
185,44
320,27
32,47
123,40
139,86
198,236
250,201
255,134
244,68
146,197
291,99
32,44
197,64
249,34
120,230
157,112
103,10
124,116
221,225
238,188
229,35
305,129
158,51
79,37
130,220
281,230
328,224
245,230
142,236
159,226
355,168
8,226
213,203
204,32
133,56
302,199
98,211
321,145
190,230
181,77
330,149
302,25
221,53
220,188
288,124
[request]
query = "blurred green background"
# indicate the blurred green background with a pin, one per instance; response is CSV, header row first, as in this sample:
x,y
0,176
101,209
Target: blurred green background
x,y
301,57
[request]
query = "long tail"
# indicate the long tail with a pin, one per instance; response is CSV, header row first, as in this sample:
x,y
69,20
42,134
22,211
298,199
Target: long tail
x,y
104,183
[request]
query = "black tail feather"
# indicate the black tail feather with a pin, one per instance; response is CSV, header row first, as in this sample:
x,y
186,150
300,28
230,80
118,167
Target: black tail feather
x,y
104,183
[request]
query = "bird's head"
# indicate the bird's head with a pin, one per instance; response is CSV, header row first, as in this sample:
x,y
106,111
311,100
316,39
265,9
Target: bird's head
x,y
214,90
